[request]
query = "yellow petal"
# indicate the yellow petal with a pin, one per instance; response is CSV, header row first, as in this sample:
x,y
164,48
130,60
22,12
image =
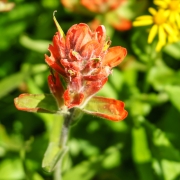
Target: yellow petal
x,y
152,11
172,17
168,29
152,33
166,13
161,4
144,17
159,46
143,22
178,19
162,36
167,1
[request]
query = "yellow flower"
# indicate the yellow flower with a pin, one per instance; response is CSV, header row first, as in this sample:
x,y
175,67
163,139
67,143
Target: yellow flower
x,y
172,7
160,26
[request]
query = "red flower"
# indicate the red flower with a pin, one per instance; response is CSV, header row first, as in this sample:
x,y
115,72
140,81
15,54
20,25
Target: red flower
x,y
82,61
101,6
85,60
80,64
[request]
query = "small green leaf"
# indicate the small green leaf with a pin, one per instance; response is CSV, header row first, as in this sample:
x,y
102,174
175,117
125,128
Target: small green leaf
x,y
6,84
141,153
173,50
174,92
52,155
107,108
144,51
11,169
140,150
161,75
44,103
83,171
40,46
55,150
8,143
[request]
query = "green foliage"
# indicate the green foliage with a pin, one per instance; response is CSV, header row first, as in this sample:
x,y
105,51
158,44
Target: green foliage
x,y
145,146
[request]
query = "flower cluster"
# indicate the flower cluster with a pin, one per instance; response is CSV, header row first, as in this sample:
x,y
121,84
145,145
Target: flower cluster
x,y
165,22
108,11
81,62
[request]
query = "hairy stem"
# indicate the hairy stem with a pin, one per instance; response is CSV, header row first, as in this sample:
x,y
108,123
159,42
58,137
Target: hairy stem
x,y
62,142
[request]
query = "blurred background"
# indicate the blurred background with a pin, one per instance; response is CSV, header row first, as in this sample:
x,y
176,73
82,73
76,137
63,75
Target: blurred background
x,y
145,146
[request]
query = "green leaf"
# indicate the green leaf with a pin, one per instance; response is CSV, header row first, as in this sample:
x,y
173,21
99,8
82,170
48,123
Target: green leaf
x,y
10,83
55,150
7,142
173,50
112,158
161,75
40,46
11,169
174,92
44,103
144,51
141,153
83,171
164,152
107,108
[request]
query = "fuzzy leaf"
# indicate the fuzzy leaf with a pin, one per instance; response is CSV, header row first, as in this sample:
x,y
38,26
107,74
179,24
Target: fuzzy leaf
x,y
54,151
44,103
107,108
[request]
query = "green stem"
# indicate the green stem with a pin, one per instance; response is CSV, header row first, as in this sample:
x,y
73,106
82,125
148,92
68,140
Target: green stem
x,y
62,142
57,171
22,156
65,128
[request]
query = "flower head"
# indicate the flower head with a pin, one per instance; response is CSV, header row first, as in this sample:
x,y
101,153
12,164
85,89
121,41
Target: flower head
x,y
173,9
84,61
160,26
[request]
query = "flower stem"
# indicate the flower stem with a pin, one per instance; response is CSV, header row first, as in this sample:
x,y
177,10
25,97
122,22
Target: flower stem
x,y
62,142
65,129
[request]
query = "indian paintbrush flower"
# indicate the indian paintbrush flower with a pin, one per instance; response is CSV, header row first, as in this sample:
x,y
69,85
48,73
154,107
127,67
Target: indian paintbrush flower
x,y
82,61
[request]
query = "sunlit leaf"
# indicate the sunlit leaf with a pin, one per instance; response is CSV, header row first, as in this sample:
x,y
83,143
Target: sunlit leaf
x,y
141,153
107,108
11,169
164,152
173,50
7,142
83,171
35,45
112,158
144,51
36,103
10,83
174,92
161,75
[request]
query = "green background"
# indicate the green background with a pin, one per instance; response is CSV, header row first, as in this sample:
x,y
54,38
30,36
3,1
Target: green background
x,y
145,146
